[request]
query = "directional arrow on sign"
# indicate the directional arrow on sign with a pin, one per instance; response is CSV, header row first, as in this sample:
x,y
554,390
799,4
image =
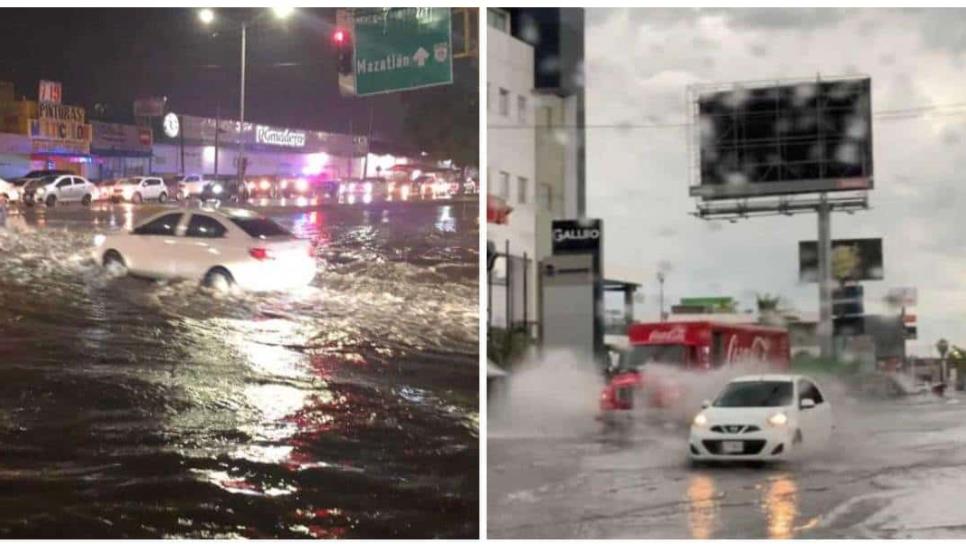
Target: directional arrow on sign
x,y
420,56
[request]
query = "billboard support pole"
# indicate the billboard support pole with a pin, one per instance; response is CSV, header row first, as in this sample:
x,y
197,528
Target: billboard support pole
x,y
825,326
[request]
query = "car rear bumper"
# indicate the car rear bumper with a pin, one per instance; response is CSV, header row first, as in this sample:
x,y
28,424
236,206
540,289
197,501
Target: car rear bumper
x,y
280,275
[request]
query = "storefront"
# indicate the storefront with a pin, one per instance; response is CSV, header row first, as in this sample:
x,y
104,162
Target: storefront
x,y
185,144
120,150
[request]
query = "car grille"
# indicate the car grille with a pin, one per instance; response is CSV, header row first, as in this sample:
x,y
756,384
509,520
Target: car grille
x,y
750,447
734,429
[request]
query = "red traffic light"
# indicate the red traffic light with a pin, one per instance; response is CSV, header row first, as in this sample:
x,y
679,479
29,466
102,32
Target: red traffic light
x,y
339,36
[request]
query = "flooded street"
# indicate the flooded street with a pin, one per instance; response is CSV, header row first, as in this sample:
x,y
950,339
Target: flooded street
x,y
881,478
137,409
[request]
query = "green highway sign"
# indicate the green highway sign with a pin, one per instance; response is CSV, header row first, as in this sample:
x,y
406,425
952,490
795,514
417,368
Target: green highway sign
x,y
398,49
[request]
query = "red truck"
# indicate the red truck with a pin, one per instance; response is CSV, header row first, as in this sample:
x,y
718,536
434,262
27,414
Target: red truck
x,y
692,346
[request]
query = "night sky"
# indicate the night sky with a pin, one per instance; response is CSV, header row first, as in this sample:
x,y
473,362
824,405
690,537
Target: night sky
x,y
112,56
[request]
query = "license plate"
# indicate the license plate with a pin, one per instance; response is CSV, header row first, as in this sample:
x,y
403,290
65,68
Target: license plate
x,y
732,447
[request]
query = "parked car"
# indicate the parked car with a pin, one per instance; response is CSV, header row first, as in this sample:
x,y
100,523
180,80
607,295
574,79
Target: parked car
x,y
10,191
294,187
762,418
138,189
59,188
222,249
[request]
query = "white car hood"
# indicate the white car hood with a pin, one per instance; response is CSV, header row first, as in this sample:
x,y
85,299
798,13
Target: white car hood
x,y
743,416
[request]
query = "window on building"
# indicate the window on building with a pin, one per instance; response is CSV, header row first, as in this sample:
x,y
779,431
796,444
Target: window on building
x,y
504,102
522,109
504,185
523,189
545,196
498,19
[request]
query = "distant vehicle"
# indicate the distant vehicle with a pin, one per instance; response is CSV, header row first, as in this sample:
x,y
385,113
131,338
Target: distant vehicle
x,y
762,418
223,249
691,346
138,189
227,190
261,187
59,188
363,190
191,185
34,174
293,187
471,186
10,191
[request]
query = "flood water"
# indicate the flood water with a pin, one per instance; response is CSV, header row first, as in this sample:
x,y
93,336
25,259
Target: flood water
x,y
132,408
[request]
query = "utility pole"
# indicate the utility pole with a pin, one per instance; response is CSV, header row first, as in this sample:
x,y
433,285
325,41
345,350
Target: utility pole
x,y
217,130
241,108
825,325
365,160
660,279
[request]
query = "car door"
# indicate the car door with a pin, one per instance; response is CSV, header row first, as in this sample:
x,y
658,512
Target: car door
x,y
154,247
156,186
79,189
203,245
807,417
823,414
62,189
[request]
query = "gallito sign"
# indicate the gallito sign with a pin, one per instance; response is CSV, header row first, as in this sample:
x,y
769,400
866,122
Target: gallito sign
x,y
576,236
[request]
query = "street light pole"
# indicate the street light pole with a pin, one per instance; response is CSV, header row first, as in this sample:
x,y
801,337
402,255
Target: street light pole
x,y
241,108
660,279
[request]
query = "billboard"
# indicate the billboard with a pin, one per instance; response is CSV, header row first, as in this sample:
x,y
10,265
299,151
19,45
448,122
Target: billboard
x,y
855,259
49,92
784,139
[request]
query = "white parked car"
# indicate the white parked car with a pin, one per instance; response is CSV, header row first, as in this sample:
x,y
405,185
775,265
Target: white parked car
x,y
222,249
138,189
10,191
192,185
59,188
762,418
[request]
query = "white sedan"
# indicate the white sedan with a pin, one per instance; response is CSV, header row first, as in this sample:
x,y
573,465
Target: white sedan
x,y
223,249
762,418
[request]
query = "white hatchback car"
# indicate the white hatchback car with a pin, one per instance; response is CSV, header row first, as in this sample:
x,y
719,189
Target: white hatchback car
x,y
138,189
222,249
762,418
59,188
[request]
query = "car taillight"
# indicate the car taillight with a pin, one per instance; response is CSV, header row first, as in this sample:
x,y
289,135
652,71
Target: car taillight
x,y
260,254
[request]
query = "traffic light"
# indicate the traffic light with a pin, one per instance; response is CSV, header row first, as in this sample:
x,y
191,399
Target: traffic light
x,y
343,47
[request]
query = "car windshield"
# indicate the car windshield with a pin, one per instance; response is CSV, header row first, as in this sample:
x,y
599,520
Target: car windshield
x,y
39,182
755,394
130,181
260,227
639,356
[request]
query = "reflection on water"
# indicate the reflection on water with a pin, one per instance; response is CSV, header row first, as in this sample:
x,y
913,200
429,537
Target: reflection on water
x,y
702,506
780,505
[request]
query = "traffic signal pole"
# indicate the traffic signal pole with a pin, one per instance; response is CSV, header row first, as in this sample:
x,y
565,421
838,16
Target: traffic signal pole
x,y
825,327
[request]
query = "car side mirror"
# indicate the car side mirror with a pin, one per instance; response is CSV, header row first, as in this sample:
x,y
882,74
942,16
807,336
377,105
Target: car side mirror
x,y
706,404
805,404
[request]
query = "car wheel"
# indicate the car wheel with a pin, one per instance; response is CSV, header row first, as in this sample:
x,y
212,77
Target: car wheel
x,y
86,200
219,280
162,197
114,263
137,198
51,201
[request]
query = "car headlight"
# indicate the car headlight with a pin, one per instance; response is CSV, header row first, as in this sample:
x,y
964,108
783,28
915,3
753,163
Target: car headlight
x,y
301,185
99,240
778,420
264,185
217,189
284,184
41,191
700,420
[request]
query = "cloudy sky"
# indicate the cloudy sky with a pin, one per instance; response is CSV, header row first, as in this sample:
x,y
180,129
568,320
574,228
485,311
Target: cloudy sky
x,y
639,63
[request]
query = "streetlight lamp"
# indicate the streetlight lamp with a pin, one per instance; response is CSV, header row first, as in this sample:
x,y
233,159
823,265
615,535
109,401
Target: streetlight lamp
x,y
207,17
